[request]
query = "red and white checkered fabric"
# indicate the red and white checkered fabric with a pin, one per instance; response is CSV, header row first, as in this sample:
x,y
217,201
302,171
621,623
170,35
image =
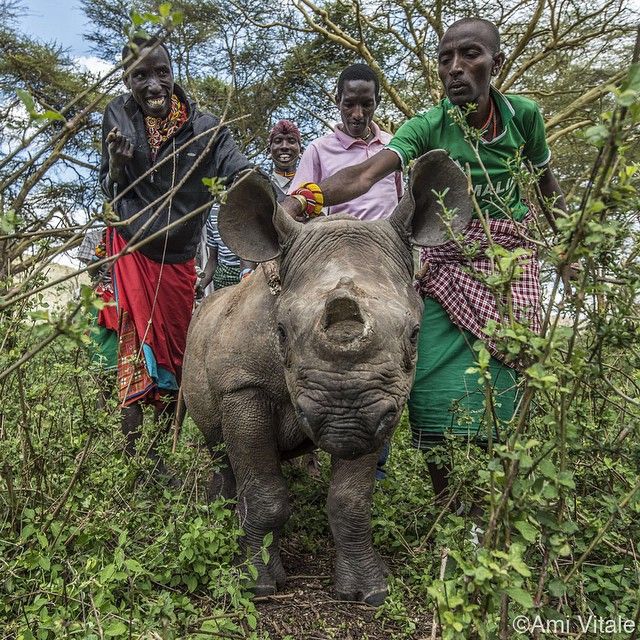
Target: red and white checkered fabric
x,y
452,280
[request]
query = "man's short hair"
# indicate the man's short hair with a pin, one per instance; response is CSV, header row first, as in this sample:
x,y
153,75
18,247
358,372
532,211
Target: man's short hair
x,y
358,72
489,27
141,42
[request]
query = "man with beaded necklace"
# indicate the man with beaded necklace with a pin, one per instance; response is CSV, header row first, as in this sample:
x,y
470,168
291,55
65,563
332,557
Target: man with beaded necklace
x,y
157,147
285,145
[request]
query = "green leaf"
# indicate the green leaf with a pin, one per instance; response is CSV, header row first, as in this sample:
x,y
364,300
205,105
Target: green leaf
x,y
632,81
27,532
133,565
547,468
27,101
137,19
164,9
252,621
49,114
107,573
527,531
565,478
482,574
596,135
519,565
191,581
557,588
116,628
521,596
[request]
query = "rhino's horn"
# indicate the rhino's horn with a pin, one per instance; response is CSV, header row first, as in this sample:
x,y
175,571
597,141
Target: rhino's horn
x,y
245,220
419,213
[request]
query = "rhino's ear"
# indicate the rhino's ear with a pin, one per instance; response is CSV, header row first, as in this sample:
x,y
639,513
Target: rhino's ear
x,y
419,212
245,220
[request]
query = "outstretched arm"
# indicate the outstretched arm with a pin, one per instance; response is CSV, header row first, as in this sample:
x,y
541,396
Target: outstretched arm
x,y
550,188
353,181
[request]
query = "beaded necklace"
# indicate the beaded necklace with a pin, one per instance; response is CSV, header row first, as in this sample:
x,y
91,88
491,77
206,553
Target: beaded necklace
x,y
492,121
285,174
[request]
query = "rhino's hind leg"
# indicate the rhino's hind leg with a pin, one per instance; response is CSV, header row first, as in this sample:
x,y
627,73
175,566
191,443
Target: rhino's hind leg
x,y
360,573
263,499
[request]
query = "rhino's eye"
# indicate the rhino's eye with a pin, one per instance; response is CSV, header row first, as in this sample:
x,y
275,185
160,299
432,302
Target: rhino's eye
x,y
413,338
282,334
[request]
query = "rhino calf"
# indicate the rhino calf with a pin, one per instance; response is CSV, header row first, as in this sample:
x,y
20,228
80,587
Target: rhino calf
x,y
328,362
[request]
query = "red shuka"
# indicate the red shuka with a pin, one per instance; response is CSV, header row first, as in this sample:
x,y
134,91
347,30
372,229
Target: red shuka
x,y
163,293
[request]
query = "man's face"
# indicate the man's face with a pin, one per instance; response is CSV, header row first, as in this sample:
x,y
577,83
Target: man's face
x,y
357,104
466,62
151,82
285,151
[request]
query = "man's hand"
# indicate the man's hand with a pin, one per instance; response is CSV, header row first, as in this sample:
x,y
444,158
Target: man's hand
x,y
570,273
202,284
293,208
120,152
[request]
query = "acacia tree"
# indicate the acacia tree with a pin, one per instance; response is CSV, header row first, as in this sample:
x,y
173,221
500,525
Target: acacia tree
x,y
50,121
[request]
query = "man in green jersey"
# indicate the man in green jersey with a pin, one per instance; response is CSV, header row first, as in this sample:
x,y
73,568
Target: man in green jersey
x,y
509,131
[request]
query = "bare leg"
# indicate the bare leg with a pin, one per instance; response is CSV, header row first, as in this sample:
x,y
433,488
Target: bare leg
x,y
105,381
131,422
163,415
439,473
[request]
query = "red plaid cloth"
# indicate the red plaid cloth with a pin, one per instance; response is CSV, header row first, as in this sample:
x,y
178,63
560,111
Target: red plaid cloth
x,y
450,280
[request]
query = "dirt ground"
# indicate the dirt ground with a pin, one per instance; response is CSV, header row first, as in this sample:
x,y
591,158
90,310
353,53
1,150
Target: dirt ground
x,y
306,608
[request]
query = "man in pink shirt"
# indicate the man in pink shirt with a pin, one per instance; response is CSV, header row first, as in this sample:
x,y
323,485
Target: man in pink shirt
x,y
352,141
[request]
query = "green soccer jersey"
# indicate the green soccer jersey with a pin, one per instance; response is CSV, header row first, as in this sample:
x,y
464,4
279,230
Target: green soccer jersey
x,y
522,137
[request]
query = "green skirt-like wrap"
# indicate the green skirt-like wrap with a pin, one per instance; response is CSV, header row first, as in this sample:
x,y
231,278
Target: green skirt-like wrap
x,y
444,398
225,276
104,345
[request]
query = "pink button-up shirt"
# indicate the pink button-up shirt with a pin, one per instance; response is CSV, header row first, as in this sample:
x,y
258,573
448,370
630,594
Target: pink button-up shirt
x,y
327,155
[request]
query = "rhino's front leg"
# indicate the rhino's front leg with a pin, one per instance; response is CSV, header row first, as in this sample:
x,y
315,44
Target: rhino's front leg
x,y
263,500
360,573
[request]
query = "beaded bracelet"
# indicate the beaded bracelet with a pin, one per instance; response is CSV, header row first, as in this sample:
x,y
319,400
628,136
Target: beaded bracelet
x,y
313,197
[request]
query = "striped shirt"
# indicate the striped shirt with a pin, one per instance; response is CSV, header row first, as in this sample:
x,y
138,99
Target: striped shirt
x,y
225,255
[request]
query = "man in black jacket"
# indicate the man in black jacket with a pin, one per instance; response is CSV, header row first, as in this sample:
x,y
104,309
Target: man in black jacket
x,y
157,147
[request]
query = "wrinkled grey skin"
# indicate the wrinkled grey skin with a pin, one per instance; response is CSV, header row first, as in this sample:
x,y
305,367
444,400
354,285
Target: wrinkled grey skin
x,y
328,363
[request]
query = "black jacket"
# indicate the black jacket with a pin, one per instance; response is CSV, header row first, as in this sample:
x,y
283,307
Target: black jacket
x,y
222,160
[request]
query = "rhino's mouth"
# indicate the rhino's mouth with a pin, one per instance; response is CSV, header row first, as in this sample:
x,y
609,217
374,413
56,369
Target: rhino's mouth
x,y
350,436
